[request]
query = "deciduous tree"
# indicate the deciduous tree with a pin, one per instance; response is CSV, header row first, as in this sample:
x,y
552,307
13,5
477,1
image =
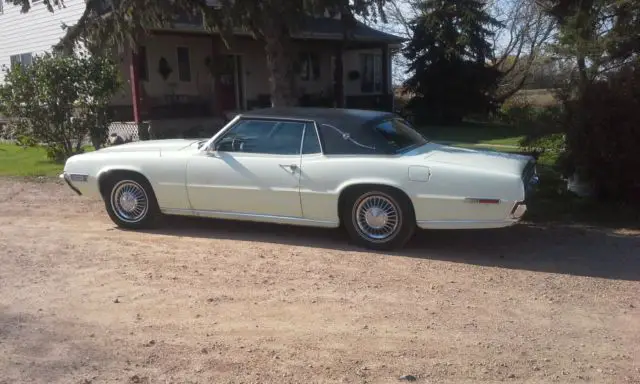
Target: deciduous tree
x,y
519,42
59,101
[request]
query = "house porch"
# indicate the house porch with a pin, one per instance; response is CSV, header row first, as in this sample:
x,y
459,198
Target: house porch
x,y
177,74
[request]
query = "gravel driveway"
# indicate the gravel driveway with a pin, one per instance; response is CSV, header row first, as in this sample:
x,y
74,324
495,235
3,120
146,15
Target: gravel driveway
x,y
220,302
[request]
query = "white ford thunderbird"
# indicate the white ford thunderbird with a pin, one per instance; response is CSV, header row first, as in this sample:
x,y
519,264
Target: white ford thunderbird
x,y
367,171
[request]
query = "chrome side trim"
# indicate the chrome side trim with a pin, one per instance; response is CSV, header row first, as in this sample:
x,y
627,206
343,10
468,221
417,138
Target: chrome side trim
x,y
304,130
251,217
315,124
465,224
482,200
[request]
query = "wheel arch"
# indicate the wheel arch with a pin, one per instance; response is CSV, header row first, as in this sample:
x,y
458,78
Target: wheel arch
x,y
106,174
365,185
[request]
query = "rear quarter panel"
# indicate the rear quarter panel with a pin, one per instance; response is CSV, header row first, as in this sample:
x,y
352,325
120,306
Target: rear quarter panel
x,y
444,198
323,178
437,191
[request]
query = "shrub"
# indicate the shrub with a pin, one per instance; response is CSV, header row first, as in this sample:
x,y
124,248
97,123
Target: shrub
x,y
520,111
603,135
59,101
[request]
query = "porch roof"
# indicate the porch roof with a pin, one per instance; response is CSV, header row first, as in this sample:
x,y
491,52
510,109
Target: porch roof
x,y
311,28
333,29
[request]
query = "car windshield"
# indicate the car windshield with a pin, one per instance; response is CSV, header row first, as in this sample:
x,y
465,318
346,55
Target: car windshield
x,y
399,135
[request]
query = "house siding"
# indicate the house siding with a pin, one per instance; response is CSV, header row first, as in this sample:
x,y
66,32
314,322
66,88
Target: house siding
x,y
36,31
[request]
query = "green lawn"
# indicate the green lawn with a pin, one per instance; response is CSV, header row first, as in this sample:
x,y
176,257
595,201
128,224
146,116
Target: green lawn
x,y
474,133
18,161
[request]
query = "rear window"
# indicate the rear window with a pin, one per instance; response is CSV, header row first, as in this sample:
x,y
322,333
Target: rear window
x,y
336,141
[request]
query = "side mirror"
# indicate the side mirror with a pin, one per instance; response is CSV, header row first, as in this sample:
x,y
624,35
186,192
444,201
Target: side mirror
x,y
212,152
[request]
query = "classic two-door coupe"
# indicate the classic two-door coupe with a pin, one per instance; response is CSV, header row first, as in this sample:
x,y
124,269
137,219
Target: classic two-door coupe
x,y
369,171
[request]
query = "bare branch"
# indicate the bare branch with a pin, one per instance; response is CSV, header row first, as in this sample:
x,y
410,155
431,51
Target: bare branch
x,y
525,33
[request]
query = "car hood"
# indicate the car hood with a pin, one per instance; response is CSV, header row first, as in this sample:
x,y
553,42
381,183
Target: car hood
x,y
154,145
492,161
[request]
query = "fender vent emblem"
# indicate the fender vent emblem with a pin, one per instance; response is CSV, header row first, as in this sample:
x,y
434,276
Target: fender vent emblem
x,y
78,177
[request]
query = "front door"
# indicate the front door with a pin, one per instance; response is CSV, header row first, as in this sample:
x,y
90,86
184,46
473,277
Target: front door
x,y
228,83
254,171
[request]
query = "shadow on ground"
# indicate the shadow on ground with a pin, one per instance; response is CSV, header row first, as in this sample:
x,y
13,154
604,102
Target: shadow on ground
x,y
554,249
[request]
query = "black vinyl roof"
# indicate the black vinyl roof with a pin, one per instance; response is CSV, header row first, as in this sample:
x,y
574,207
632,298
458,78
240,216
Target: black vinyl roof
x,y
333,124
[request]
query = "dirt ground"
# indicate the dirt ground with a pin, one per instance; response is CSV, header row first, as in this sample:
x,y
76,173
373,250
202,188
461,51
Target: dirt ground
x,y
222,302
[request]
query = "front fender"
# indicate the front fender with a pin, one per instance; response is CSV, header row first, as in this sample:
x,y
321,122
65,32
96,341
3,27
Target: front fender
x,y
111,168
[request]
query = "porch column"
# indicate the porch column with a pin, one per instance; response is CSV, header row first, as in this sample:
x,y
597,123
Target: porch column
x,y
135,86
217,104
385,69
338,78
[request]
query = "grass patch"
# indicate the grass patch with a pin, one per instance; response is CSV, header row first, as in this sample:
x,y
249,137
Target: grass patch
x,y
475,133
31,161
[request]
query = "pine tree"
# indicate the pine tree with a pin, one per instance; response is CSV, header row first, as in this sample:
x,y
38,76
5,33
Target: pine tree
x,y
449,60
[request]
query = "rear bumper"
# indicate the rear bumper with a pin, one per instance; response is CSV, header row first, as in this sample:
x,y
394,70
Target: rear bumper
x,y
67,179
518,210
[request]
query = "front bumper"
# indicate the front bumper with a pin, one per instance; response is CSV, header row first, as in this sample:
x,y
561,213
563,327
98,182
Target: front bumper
x,y
67,179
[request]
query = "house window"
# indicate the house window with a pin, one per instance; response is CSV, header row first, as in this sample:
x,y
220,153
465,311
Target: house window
x,y
371,72
24,59
184,64
309,66
143,63
104,6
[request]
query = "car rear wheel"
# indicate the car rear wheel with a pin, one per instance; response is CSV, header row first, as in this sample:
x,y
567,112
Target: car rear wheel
x,y
131,203
380,218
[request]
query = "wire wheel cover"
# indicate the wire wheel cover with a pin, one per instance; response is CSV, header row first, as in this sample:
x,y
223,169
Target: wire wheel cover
x,y
377,217
129,201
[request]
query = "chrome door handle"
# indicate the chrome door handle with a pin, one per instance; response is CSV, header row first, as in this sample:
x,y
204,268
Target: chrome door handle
x,y
292,167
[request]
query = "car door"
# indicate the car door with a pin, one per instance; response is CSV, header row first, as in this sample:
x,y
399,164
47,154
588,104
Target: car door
x,y
253,171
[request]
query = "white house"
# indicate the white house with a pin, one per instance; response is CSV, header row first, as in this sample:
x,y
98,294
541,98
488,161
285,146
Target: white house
x,y
170,74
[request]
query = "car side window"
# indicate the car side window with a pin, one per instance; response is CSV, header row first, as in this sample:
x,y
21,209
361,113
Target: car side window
x,y
263,136
311,142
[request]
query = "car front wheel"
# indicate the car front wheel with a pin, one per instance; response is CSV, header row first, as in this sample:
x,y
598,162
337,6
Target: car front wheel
x,y
381,219
131,202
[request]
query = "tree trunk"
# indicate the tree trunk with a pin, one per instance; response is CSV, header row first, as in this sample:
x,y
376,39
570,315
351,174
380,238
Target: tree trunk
x,y
582,71
279,47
